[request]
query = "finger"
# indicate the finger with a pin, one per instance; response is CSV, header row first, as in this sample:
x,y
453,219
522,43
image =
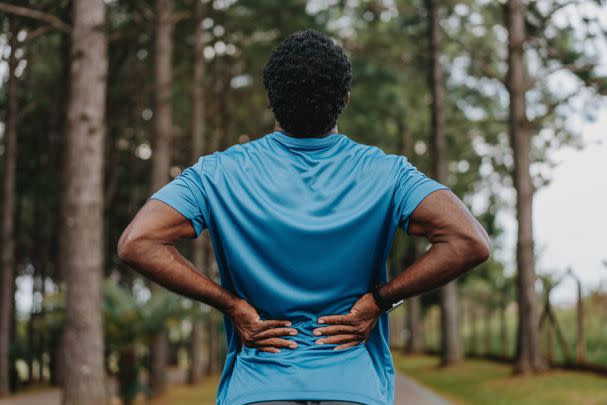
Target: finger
x,y
351,344
269,349
339,339
335,330
273,323
276,342
274,332
337,319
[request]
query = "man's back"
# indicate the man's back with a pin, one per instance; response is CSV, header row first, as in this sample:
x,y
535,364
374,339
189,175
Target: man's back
x,y
301,228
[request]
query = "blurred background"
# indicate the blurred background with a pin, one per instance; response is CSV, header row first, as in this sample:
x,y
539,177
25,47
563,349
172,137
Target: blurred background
x,y
103,102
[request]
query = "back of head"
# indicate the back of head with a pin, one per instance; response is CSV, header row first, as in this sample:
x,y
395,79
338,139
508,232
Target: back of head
x,y
307,79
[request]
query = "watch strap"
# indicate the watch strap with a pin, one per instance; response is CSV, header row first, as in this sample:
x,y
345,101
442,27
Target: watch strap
x,y
384,305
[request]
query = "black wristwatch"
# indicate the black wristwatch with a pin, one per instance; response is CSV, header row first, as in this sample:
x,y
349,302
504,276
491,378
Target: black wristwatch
x,y
385,306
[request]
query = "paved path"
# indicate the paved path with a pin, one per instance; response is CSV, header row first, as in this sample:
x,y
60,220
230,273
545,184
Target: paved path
x,y
406,392
409,392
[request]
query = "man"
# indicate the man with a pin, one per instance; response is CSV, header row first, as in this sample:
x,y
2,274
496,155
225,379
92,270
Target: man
x,y
301,221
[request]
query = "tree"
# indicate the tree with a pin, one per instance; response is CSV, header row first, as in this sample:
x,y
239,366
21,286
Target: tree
x,y
528,355
7,237
200,255
82,207
415,343
450,339
161,158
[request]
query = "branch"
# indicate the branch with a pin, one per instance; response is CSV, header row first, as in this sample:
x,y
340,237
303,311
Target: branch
x,y
180,16
50,19
486,69
31,35
544,19
550,108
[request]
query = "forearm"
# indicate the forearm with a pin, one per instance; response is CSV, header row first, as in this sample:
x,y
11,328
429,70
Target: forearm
x,y
163,264
436,267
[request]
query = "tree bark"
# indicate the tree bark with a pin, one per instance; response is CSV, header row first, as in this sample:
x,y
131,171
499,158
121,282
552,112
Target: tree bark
x,y
161,161
487,331
528,355
473,329
163,115
198,144
451,351
503,331
82,200
580,346
7,238
415,342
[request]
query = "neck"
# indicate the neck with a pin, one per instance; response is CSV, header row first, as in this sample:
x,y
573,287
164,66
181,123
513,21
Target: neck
x,y
277,127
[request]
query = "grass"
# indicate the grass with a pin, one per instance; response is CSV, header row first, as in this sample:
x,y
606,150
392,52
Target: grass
x,y
200,394
481,382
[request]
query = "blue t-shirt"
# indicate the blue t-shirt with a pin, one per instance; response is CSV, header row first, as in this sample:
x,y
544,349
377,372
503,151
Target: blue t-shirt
x,y
299,226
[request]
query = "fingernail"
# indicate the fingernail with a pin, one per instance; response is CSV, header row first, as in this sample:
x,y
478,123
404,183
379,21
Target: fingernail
x,y
321,321
316,332
293,346
293,333
288,323
320,342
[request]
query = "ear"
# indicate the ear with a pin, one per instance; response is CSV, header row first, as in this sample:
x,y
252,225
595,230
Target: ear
x,y
346,99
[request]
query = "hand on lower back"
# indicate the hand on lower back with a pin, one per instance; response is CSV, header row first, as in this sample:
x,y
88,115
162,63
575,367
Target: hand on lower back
x,y
261,334
351,329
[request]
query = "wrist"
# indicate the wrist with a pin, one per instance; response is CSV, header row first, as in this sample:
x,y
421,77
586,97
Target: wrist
x,y
380,300
383,298
376,308
232,305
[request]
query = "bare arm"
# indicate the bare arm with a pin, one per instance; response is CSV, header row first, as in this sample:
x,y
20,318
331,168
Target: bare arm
x,y
459,243
147,244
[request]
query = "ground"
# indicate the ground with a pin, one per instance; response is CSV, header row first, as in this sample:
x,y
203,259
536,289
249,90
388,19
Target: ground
x,y
482,382
419,381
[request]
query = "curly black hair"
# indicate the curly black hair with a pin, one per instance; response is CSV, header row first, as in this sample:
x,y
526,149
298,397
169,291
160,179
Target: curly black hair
x,y
307,78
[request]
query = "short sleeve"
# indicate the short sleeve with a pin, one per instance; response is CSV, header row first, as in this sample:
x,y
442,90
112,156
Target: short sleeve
x,y
412,186
185,193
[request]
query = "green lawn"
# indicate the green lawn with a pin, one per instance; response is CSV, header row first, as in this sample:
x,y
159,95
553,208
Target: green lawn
x,y
201,394
483,382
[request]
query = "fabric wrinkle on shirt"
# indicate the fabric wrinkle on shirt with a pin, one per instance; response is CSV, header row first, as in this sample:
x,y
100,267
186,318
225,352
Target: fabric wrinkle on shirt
x,y
298,226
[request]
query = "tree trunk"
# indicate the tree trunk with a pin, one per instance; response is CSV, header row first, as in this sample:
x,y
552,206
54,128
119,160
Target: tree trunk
x,y
473,330
7,241
415,342
549,342
450,340
503,331
82,201
528,355
163,115
580,344
198,145
161,161
487,332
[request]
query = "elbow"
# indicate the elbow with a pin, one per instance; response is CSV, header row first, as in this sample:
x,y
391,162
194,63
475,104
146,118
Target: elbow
x,y
472,249
123,249
127,248
482,251
480,247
